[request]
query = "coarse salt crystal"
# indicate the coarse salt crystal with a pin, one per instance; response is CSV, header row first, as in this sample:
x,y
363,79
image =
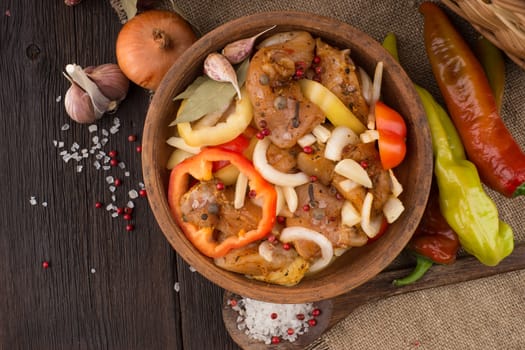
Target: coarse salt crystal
x,y
58,99
141,185
44,204
95,139
122,165
60,144
105,132
127,174
176,287
92,128
114,214
32,200
106,167
192,269
55,143
63,153
131,204
113,129
254,317
113,197
65,127
104,141
79,168
93,270
112,188
96,164
110,179
133,194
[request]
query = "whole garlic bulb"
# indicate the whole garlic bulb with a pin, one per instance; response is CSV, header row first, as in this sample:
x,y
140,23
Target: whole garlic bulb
x,y
94,91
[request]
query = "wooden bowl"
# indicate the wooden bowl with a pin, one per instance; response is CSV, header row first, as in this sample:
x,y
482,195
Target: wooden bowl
x,y
359,264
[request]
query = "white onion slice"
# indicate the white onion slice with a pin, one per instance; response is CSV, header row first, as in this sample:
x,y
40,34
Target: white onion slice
x,y
270,173
397,188
178,142
349,215
341,136
280,200
307,140
376,93
352,170
321,133
293,233
392,209
366,85
290,196
369,136
348,185
240,191
370,226
266,249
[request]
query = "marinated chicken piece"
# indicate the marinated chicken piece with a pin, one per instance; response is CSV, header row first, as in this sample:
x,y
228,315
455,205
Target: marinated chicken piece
x,y
282,159
278,103
367,155
206,206
286,266
324,216
315,164
338,74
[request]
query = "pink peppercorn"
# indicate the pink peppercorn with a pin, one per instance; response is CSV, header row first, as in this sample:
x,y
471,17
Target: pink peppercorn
x,y
98,205
45,264
275,340
143,193
316,312
273,316
132,138
130,227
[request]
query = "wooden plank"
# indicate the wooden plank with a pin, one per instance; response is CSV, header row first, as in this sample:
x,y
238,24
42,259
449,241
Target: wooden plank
x,y
127,301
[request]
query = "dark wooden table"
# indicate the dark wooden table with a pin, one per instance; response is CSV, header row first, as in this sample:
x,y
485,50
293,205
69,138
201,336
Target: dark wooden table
x,y
104,288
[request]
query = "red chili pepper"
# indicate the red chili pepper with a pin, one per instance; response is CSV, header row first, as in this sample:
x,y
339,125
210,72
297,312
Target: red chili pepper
x,y
471,104
392,133
433,242
200,168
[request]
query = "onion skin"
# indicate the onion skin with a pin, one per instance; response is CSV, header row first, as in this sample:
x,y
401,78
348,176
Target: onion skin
x,y
149,44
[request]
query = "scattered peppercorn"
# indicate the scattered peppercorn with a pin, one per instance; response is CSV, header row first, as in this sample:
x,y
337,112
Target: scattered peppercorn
x,y
316,312
127,217
138,149
132,138
45,264
312,322
128,210
219,186
308,149
275,340
117,182
113,162
300,317
233,302
98,205
286,246
273,315
130,227
112,153
143,193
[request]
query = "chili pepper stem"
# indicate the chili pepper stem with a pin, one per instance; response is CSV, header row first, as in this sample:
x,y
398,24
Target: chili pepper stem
x,y
423,264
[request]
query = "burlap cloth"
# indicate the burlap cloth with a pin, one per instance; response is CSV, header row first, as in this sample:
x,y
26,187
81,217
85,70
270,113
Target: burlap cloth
x,y
483,314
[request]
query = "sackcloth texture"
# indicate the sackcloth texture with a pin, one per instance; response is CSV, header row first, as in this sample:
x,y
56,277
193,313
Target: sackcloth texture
x,y
488,313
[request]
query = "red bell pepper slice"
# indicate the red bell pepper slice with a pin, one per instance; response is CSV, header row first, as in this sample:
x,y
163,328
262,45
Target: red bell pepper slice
x,y
200,168
392,133
237,145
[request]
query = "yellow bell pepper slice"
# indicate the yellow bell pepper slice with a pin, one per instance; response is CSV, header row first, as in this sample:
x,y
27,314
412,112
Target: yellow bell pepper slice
x,y
221,132
334,109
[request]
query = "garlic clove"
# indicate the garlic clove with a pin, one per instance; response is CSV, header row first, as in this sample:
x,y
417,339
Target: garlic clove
x,y
110,80
239,50
218,68
79,106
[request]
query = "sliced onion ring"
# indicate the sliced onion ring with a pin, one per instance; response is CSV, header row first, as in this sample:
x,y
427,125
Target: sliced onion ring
x,y
293,233
270,173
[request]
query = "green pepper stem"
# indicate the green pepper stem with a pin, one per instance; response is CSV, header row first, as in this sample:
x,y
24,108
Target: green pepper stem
x,y
519,191
422,266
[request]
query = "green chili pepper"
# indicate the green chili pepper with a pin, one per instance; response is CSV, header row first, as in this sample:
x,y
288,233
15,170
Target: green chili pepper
x,y
491,58
465,205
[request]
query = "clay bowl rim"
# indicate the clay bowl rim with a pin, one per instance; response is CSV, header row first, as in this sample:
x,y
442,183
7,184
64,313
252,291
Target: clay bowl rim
x,y
358,265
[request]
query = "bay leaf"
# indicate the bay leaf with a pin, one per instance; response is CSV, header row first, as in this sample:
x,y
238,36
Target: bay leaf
x,y
205,96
